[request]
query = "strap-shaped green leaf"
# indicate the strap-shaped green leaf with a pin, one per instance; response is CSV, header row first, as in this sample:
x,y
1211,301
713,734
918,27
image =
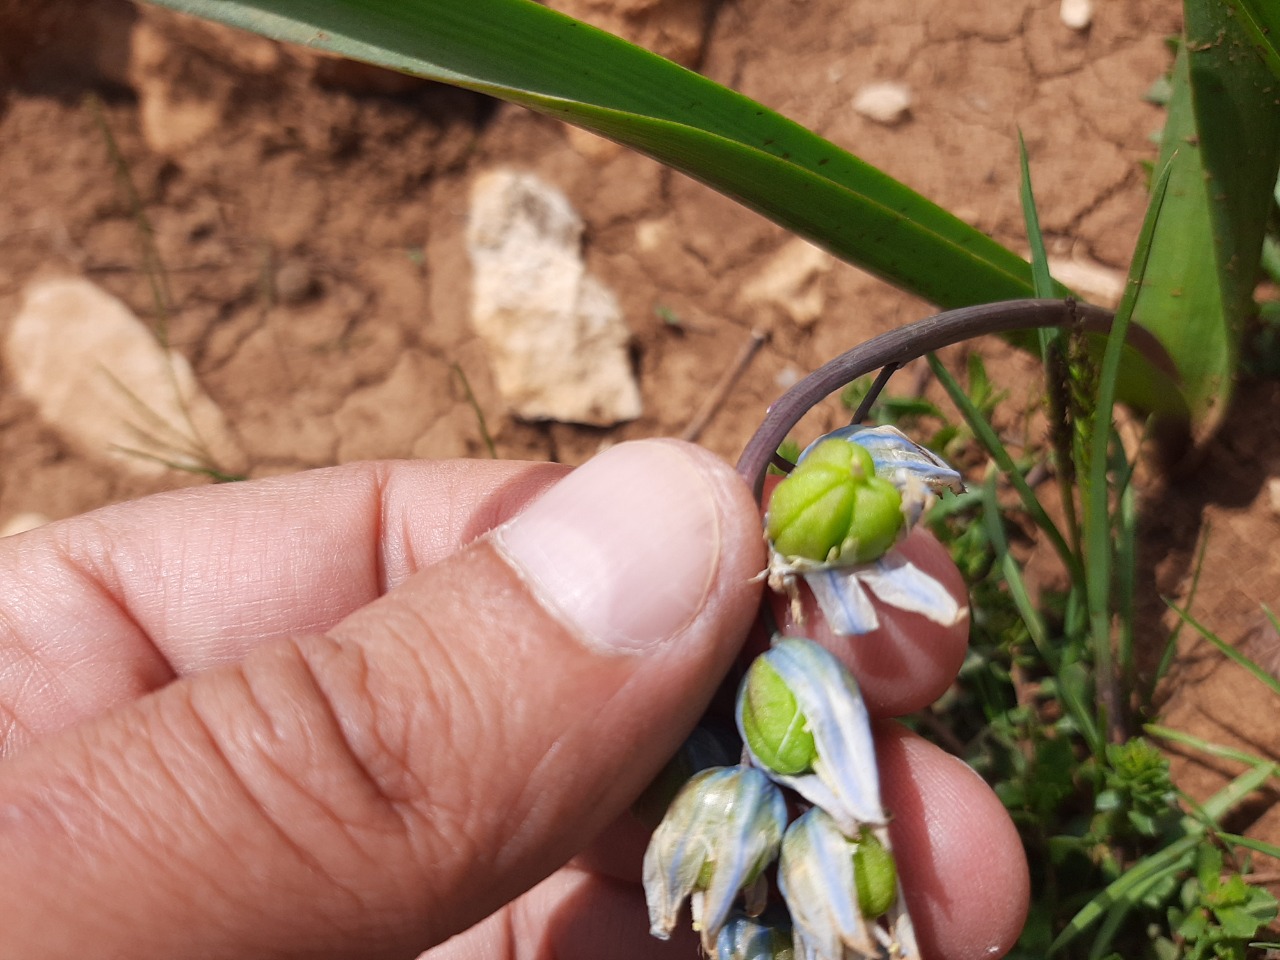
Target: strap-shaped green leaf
x,y
520,51
1261,22
1222,145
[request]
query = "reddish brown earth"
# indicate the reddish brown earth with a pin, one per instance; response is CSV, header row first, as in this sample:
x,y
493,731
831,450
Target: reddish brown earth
x,y
309,217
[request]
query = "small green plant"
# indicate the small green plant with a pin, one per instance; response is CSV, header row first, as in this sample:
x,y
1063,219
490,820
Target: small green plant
x,y
1218,915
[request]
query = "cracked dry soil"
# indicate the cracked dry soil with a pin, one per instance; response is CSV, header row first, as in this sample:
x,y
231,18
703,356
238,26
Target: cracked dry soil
x,y
309,215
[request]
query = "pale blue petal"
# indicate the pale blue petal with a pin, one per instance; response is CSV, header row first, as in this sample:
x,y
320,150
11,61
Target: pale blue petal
x,y
733,816
845,781
815,876
843,602
745,843
899,583
897,457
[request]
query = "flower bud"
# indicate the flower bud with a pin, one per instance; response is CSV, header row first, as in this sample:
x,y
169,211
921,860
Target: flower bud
x,y
816,877
756,938
839,772
875,874
717,837
897,457
833,508
772,722
709,745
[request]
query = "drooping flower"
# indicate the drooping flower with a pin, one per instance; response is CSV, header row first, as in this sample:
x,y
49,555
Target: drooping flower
x,y
816,877
717,837
803,721
833,509
834,520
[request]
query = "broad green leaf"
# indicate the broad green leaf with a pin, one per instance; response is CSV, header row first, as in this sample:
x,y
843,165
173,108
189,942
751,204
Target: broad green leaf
x,y
1261,22
523,52
520,51
1222,146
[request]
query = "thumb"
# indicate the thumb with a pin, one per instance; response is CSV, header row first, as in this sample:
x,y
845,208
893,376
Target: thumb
x,y
372,791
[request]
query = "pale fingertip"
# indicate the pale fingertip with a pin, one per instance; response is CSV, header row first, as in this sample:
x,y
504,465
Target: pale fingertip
x,y
961,860
909,660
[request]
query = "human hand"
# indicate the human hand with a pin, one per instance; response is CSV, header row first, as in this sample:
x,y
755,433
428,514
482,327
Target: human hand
x,y
354,712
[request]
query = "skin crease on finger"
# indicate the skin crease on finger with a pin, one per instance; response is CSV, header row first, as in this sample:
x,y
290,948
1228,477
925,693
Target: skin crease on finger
x,y
407,535
87,623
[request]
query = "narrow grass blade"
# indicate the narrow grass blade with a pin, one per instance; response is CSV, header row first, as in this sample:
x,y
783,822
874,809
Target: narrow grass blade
x,y
1041,279
991,517
1126,559
988,438
1130,887
1249,843
1097,507
1229,651
1261,22
1204,746
1053,355
1171,645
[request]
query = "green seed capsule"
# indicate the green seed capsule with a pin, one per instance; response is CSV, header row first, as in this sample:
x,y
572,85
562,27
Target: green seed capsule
x,y
772,722
833,507
875,874
877,512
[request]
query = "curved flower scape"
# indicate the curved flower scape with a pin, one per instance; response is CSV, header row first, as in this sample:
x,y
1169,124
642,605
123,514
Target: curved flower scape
x,y
826,527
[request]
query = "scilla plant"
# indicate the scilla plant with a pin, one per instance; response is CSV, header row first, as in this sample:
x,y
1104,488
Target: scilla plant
x,y
1190,292
806,792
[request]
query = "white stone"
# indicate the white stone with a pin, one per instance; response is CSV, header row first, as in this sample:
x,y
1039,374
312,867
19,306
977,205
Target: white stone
x,y
21,523
173,117
97,374
790,284
886,102
1076,14
1273,494
1093,281
554,333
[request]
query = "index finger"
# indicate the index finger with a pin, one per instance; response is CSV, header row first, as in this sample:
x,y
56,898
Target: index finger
x,y
105,607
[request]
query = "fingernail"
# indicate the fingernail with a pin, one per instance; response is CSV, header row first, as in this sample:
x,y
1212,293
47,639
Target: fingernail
x,y
623,549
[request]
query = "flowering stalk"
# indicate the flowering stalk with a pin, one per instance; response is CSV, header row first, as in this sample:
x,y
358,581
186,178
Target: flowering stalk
x,y
804,725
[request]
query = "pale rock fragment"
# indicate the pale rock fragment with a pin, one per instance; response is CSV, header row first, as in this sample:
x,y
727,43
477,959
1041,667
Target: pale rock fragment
x,y
1097,283
1273,495
888,103
21,523
97,375
175,113
1076,14
554,333
790,284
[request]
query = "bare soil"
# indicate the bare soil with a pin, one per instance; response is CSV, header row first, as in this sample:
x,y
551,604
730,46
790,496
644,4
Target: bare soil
x,y
309,217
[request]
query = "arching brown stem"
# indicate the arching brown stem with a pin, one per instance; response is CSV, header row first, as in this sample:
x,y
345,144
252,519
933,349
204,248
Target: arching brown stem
x,y
900,346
